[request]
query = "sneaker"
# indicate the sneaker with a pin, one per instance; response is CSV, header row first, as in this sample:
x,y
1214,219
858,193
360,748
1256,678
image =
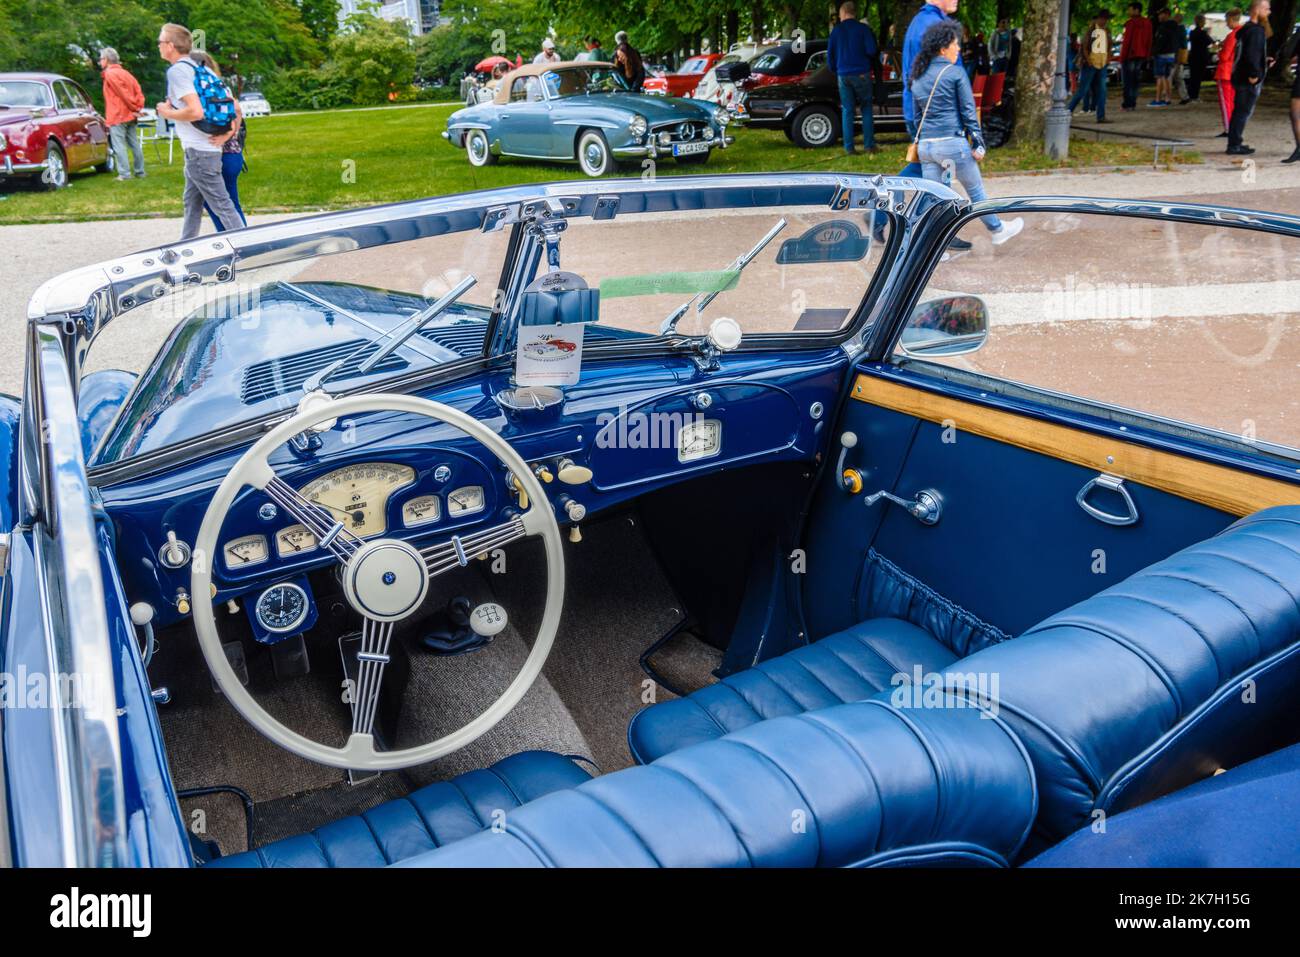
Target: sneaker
x,y
959,244
1239,151
1156,103
1220,136
1105,121
1294,157
1184,101
1009,230
123,179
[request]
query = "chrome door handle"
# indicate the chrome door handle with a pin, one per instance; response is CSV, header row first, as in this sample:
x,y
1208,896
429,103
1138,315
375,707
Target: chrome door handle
x,y
1111,483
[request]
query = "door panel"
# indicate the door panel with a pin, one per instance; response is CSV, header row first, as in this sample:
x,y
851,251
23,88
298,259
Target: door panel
x,y
1012,545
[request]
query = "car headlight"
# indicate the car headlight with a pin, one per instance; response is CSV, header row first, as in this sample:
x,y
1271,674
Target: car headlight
x,y
708,133
637,126
721,116
665,138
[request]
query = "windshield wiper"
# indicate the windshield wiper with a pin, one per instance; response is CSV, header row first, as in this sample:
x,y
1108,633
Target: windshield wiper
x,y
670,321
397,335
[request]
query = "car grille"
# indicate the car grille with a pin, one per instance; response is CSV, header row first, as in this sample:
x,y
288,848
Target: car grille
x,y
272,377
687,131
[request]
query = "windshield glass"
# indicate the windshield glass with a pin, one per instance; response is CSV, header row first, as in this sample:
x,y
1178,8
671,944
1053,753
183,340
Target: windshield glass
x,y
574,81
212,356
24,93
208,357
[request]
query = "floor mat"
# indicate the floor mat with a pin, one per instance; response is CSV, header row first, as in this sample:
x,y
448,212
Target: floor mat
x,y
686,662
617,604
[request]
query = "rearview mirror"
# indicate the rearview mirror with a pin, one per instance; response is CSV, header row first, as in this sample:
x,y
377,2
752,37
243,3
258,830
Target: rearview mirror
x,y
952,326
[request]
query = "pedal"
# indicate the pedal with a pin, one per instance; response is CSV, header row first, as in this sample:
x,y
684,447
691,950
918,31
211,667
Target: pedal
x,y
235,655
289,658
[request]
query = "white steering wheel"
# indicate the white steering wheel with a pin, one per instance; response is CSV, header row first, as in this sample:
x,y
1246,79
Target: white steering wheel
x,y
384,580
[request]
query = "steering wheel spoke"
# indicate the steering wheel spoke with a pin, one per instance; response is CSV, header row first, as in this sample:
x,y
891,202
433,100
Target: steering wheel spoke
x,y
329,531
457,551
372,659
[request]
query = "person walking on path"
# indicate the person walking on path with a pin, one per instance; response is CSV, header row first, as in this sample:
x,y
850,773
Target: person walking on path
x,y
1248,70
123,101
949,140
1180,63
203,181
1164,47
1134,51
1198,57
934,11
232,151
1289,50
1095,53
1223,70
852,55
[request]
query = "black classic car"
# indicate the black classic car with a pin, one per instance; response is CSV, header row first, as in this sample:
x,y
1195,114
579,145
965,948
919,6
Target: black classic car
x,y
808,108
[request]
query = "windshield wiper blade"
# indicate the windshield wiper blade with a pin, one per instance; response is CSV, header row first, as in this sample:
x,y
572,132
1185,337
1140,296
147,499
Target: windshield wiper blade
x,y
407,329
670,322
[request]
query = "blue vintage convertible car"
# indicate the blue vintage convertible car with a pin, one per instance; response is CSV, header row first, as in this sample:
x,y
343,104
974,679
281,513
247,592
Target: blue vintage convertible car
x,y
583,112
709,521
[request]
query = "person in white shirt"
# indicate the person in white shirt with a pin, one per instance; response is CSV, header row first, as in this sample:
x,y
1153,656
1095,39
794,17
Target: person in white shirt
x,y
203,179
548,54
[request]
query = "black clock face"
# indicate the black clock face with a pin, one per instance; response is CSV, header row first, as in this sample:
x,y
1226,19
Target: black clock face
x,y
282,608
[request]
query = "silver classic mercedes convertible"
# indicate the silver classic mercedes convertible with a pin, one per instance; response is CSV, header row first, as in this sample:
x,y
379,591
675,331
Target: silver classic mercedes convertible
x,y
731,521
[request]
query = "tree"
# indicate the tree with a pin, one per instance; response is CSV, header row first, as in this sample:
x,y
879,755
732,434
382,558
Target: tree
x,y
1037,68
374,55
321,17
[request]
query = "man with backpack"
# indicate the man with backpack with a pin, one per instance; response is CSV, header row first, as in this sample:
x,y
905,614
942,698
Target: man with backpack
x,y
123,101
1095,54
200,105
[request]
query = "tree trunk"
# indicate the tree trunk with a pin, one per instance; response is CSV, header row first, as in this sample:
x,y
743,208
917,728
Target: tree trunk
x,y
756,22
733,30
1037,66
1282,21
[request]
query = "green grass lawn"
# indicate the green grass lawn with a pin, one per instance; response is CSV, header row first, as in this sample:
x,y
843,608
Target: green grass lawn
x,y
349,158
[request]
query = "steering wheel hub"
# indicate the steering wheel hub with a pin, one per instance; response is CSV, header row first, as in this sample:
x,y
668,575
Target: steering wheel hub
x,y
386,580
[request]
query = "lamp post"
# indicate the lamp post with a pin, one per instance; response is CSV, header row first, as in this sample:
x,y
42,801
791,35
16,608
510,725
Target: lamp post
x,y
1056,131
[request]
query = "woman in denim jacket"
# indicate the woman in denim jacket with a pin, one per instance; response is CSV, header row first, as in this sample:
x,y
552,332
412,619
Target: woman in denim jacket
x,y
950,119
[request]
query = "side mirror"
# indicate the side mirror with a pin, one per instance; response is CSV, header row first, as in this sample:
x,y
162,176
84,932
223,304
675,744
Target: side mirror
x,y
952,326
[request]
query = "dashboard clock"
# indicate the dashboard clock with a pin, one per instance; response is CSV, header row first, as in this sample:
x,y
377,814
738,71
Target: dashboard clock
x,y
465,501
358,494
244,551
421,510
699,439
282,608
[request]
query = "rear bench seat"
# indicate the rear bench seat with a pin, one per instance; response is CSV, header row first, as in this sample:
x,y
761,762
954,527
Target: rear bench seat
x,y
862,784
1185,667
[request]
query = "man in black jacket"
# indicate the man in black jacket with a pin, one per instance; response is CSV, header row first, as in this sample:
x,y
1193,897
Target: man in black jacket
x,y
1248,70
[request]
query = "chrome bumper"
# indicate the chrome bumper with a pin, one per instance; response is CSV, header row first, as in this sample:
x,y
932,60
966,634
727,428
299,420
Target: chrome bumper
x,y
10,167
655,150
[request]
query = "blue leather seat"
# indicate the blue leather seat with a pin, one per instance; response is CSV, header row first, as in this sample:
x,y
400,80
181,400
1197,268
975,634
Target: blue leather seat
x,y
430,817
850,665
1232,820
1187,666
862,784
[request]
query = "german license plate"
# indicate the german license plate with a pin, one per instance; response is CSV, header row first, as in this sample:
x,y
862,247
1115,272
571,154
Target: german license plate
x,y
685,149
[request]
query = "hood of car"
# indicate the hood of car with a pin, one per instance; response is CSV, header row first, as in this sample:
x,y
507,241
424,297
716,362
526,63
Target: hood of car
x,y
13,117
656,109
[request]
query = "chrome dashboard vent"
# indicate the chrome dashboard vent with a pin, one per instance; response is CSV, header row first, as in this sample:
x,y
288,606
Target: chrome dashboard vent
x,y
272,377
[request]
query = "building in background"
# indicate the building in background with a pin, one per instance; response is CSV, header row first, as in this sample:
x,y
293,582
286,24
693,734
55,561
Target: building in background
x,y
422,15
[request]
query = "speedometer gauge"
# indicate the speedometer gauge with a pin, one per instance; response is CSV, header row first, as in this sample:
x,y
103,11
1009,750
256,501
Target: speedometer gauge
x,y
357,495
282,608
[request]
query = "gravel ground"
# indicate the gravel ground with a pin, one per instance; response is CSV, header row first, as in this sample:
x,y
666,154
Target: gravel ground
x,y
35,253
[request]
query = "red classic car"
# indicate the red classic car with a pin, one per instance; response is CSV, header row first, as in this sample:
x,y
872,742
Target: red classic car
x,y
686,79
49,129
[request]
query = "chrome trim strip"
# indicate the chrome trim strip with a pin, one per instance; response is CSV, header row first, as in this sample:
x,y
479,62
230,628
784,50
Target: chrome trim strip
x,y
90,799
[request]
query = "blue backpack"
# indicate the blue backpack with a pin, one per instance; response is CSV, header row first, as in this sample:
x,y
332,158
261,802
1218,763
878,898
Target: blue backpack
x,y
214,95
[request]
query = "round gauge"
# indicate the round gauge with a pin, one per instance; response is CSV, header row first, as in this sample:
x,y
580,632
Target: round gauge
x,y
357,495
248,550
281,608
294,540
465,500
421,511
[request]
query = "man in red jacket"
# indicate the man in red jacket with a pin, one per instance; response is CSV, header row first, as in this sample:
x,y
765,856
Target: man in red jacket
x,y
123,101
1134,52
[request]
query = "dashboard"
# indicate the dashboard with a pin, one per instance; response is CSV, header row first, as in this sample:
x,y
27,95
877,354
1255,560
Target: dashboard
x,y
620,433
